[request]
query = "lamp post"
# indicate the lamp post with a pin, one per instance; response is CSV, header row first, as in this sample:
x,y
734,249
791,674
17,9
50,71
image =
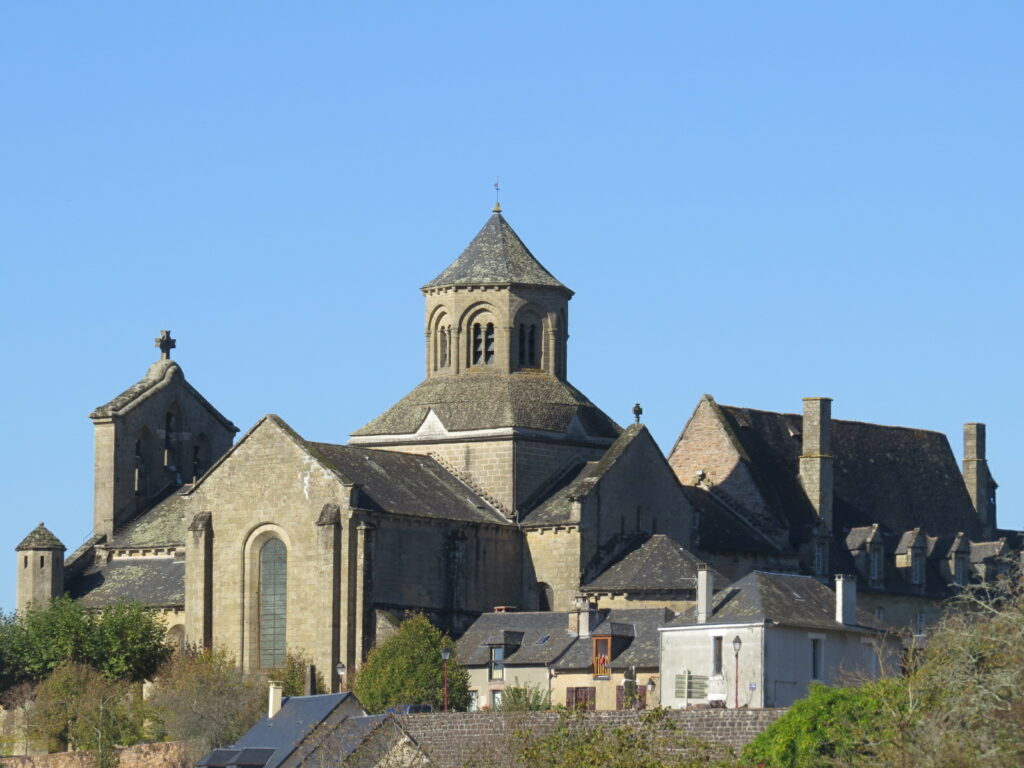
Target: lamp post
x,y
650,691
340,669
736,643
445,655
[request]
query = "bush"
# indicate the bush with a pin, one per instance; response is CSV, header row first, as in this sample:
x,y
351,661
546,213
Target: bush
x,y
524,698
407,669
292,675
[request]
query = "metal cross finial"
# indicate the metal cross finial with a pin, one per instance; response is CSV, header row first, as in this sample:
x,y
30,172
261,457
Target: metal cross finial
x,y
637,412
497,195
166,344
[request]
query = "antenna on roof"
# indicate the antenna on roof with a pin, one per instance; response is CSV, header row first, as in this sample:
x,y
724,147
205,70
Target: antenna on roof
x,y
497,195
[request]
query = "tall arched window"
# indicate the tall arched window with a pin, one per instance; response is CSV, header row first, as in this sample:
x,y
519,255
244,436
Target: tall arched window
x,y
168,448
273,592
483,344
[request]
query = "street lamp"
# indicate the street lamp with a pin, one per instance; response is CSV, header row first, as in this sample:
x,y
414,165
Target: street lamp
x,y
445,655
340,669
736,643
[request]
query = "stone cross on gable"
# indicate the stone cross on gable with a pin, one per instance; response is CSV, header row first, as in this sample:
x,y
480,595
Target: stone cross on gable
x,y
166,344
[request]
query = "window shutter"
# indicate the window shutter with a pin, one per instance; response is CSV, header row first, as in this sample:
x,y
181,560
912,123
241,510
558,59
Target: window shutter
x,y
591,698
641,696
620,697
570,698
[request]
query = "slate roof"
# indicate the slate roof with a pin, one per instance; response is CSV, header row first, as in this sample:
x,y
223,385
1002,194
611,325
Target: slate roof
x,y
899,477
496,256
406,484
491,400
719,529
163,525
778,598
40,538
160,374
274,739
659,564
557,507
639,647
472,648
155,581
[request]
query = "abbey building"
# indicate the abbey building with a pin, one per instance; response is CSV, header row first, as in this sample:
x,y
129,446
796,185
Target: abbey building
x,y
495,482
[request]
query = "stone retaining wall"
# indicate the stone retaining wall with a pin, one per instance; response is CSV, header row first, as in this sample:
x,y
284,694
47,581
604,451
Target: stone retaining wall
x,y
171,754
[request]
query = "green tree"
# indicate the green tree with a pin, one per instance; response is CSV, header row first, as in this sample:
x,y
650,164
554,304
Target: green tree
x,y
124,641
203,698
407,669
78,707
127,642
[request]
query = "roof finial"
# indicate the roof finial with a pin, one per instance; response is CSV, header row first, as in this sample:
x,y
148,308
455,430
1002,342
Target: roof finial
x,y
497,195
166,344
637,412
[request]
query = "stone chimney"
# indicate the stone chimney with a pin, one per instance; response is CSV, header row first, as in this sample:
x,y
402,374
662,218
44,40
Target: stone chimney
x,y
846,599
583,617
816,456
980,485
274,703
704,593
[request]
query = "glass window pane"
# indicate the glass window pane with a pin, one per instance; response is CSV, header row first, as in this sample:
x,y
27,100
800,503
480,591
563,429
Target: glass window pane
x,y
273,603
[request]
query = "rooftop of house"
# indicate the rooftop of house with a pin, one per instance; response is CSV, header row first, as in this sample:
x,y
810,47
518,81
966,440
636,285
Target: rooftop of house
x,y
899,477
659,564
273,740
781,599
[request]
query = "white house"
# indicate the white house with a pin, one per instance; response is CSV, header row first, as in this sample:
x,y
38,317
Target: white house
x,y
761,641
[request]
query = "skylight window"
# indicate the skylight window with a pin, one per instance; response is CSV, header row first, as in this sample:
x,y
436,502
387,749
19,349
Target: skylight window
x,y
543,639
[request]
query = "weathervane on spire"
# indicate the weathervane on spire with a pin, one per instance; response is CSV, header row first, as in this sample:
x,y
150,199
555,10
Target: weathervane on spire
x,y
497,195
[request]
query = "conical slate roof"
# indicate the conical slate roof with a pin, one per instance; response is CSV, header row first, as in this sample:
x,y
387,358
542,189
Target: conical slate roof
x,y
496,256
40,538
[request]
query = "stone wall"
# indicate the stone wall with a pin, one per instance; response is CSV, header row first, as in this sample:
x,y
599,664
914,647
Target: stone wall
x,y
460,739
170,754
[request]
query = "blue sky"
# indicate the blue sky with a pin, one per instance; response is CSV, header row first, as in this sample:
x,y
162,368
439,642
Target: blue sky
x,y
762,201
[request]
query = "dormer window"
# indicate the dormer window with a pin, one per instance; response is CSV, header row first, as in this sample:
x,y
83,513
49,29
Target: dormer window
x,y
496,667
875,563
916,568
960,570
820,557
602,656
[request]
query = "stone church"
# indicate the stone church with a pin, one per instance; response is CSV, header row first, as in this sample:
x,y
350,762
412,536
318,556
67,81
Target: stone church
x,y
495,483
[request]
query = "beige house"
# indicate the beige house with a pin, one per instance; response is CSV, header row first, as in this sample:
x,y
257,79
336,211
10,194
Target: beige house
x,y
761,641
586,658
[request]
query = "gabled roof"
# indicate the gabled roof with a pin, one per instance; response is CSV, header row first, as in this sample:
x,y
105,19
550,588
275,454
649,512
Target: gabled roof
x,y
556,508
552,628
486,400
40,538
406,484
496,256
777,598
898,477
659,564
274,739
160,375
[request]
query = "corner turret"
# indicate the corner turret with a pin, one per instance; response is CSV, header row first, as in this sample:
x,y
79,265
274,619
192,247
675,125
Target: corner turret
x,y
40,568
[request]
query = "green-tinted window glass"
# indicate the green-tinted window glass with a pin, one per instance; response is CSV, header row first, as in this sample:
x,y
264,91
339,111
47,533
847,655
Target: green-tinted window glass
x,y
273,602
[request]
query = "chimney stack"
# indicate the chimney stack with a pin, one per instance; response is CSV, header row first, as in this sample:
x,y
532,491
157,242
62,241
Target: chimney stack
x,y
704,593
980,485
274,704
816,456
846,599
